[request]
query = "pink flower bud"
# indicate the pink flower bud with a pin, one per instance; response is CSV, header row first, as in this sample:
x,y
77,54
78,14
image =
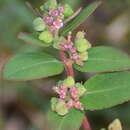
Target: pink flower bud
x,y
73,50
58,24
74,92
70,103
75,56
52,29
48,20
61,9
54,13
78,105
64,88
57,90
62,94
64,46
69,44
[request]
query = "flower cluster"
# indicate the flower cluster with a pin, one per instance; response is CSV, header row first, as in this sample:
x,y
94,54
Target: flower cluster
x,y
48,26
51,20
54,18
77,49
69,96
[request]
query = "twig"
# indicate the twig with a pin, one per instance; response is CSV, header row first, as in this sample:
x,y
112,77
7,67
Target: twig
x,y
70,72
67,63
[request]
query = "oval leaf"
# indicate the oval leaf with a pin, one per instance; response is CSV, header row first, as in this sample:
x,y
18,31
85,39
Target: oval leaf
x,y
31,40
103,59
28,66
71,121
106,90
80,18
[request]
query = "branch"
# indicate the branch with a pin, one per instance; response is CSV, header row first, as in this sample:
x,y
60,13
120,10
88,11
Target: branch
x,y
70,72
68,64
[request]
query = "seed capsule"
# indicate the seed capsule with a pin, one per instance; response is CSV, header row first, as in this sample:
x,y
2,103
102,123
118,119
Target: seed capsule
x,y
53,103
50,4
68,10
61,108
81,89
115,125
83,56
80,35
39,24
46,36
82,45
69,82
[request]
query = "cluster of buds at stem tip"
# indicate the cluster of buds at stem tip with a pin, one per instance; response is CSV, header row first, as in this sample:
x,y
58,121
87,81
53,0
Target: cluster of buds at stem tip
x,y
69,94
51,20
77,50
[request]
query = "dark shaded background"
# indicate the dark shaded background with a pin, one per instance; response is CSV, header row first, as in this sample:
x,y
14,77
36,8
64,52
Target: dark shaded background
x,y
23,104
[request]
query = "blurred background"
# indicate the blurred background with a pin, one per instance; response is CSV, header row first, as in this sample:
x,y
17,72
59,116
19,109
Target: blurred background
x,y
23,105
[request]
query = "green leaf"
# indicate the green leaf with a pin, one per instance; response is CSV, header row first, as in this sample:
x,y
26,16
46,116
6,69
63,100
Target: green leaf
x,y
106,90
71,121
103,59
32,40
80,18
28,66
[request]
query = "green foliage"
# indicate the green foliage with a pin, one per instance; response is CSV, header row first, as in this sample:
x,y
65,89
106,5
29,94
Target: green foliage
x,y
106,90
31,40
71,121
30,66
80,18
102,91
14,16
68,10
102,59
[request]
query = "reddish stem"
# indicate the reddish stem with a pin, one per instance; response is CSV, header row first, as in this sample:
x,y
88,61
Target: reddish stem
x,y
70,72
68,64
86,124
